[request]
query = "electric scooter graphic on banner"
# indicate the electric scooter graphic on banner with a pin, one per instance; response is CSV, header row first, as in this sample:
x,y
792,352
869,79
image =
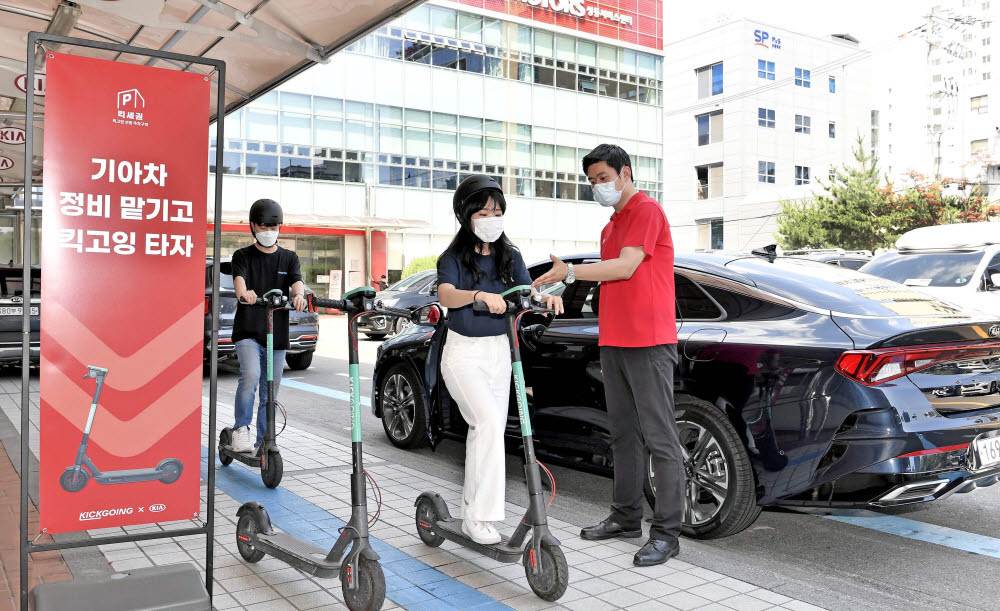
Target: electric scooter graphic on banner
x,y
74,478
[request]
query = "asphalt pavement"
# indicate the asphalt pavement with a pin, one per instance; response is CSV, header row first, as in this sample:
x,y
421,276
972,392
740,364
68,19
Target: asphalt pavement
x,y
942,556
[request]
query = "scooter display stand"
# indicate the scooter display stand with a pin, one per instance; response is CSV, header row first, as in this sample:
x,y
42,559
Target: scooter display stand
x,y
75,477
544,563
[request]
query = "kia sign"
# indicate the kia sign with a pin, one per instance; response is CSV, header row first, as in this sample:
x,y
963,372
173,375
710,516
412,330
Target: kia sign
x,y
124,198
6,163
21,83
11,135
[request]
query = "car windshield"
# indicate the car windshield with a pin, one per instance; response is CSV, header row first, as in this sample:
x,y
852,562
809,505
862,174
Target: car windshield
x,y
411,282
830,287
951,269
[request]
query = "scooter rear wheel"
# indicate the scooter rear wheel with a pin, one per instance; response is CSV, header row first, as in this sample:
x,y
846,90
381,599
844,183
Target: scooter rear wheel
x,y
370,592
426,516
246,528
553,577
271,476
225,440
171,470
71,483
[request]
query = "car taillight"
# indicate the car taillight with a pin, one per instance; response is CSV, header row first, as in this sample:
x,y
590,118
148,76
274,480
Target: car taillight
x,y
208,306
873,367
309,301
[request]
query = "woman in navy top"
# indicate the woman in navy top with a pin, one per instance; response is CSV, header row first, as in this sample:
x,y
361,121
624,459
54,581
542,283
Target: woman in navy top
x,y
479,265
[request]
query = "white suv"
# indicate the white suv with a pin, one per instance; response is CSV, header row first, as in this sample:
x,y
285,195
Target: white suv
x,y
956,263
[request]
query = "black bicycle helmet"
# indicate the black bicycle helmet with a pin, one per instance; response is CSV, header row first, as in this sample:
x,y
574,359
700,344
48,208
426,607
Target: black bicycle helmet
x,y
470,186
266,212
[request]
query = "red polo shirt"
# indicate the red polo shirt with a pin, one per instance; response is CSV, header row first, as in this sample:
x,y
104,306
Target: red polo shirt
x,y
640,311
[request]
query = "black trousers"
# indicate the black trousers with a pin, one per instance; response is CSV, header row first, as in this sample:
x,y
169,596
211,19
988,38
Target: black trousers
x,y
639,388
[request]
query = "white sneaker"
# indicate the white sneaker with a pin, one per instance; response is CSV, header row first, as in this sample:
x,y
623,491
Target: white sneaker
x,y
242,440
480,532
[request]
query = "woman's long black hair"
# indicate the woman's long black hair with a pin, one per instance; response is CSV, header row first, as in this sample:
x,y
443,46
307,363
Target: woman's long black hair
x,y
465,245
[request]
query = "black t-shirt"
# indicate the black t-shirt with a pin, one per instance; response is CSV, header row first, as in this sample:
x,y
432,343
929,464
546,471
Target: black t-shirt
x,y
263,272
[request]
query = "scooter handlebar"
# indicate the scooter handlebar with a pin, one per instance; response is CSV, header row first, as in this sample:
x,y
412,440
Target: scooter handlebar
x,y
333,304
397,312
480,306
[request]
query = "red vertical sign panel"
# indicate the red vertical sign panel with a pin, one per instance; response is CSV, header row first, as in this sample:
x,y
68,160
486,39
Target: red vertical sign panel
x,y
123,258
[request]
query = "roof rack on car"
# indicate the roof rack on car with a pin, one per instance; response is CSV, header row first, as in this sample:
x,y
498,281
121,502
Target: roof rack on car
x,y
814,251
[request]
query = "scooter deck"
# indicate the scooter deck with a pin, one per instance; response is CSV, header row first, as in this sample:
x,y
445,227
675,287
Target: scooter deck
x,y
128,475
299,554
251,459
501,552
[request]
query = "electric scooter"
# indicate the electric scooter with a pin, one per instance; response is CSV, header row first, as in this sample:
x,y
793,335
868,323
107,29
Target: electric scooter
x,y
267,457
361,577
75,478
544,562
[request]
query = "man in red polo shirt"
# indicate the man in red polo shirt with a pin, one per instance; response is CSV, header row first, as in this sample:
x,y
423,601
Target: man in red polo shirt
x,y
638,339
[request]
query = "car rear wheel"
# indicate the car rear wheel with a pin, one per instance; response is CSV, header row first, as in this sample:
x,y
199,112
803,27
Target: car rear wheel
x,y
402,324
402,408
299,361
719,491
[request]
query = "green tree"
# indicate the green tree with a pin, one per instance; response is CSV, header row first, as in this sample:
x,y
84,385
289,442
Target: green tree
x,y
420,264
853,214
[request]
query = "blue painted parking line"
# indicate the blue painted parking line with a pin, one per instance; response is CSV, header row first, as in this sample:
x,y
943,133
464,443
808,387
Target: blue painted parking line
x,y
322,390
410,583
912,529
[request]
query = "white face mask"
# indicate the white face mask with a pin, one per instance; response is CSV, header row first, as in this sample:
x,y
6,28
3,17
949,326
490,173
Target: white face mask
x,y
606,194
267,238
488,229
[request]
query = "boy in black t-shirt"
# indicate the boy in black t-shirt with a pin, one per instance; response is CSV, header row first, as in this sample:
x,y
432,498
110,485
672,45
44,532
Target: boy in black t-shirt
x,y
257,269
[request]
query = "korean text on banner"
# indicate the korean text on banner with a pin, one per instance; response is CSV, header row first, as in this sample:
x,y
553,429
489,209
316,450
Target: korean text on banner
x,y
123,253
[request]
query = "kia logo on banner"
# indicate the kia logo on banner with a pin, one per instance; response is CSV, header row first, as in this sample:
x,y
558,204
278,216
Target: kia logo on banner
x,y
21,83
157,508
11,135
6,163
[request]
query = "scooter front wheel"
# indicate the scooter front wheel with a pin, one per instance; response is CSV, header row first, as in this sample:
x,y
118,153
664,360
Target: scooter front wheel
x,y
246,529
73,480
271,474
552,577
370,580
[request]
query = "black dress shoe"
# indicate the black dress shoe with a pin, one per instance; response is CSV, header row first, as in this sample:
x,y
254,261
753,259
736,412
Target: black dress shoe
x,y
656,552
609,529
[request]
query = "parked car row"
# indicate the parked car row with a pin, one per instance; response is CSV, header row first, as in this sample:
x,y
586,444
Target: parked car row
x,y
799,383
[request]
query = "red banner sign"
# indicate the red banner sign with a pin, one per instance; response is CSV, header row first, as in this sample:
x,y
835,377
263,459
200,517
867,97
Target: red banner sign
x,y
123,254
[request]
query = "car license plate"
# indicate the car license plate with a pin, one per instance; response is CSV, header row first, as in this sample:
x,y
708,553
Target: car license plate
x,y
16,310
987,451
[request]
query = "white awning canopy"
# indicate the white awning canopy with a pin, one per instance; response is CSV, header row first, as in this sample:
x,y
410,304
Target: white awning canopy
x,y
263,42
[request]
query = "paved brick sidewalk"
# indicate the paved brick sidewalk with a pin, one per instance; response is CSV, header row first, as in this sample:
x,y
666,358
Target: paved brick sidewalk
x,y
42,566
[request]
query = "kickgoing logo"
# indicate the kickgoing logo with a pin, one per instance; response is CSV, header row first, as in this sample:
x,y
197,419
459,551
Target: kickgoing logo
x,y
354,407
105,513
519,383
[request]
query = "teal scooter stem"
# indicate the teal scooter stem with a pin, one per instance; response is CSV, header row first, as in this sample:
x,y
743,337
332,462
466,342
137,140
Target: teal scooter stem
x,y
361,578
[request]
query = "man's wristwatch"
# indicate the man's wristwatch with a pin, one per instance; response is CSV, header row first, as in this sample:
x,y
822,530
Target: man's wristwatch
x,y
570,275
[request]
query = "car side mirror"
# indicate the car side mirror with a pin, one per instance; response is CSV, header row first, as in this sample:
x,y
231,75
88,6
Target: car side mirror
x,y
429,315
434,290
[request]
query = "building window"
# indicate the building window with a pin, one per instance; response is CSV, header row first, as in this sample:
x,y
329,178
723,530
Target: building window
x,y
833,84
986,42
765,171
803,124
765,69
765,117
936,78
709,180
979,146
803,175
986,59
710,234
937,111
833,129
709,80
986,76
709,128
979,104
802,78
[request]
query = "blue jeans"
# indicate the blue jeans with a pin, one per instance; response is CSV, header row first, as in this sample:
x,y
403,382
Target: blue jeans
x,y
253,373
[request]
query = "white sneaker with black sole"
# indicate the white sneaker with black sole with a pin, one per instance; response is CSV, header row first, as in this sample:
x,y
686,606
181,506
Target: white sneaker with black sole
x,y
481,532
242,439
